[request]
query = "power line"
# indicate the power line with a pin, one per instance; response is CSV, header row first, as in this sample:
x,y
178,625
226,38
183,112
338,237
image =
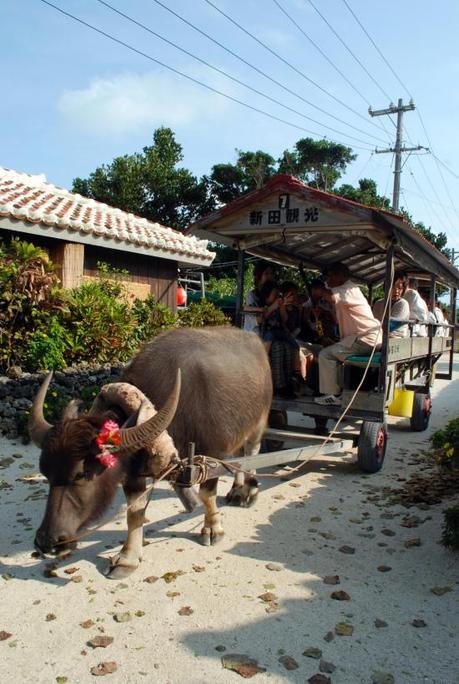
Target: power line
x,y
377,48
227,75
453,173
263,73
330,61
180,73
438,166
319,49
282,59
433,218
358,175
429,181
349,49
437,160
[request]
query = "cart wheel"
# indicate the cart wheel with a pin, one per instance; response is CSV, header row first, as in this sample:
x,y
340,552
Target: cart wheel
x,y
422,408
372,446
277,419
321,426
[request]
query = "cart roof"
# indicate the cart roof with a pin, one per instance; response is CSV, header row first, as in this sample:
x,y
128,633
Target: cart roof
x,y
288,222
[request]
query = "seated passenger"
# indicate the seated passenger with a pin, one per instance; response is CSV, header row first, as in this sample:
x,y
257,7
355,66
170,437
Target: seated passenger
x,y
279,341
399,309
435,317
418,308
359,330
319,322
263,273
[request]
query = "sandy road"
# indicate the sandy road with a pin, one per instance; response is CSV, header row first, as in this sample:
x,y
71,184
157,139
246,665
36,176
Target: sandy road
x,y
298,526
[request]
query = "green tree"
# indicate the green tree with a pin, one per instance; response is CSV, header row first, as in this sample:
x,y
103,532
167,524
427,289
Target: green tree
x,y
150,184
365,193
319,163
250,172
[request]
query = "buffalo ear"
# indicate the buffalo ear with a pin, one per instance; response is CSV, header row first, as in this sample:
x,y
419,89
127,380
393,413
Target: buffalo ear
x,y
72,409
132,420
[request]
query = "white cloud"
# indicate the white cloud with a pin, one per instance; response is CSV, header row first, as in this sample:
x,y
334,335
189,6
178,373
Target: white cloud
x,y
128,103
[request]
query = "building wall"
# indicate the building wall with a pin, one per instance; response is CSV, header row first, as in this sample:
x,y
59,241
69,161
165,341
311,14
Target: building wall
x,y
147,275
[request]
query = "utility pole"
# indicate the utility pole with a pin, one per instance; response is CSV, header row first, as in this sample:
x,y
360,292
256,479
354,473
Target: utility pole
x,y
399,148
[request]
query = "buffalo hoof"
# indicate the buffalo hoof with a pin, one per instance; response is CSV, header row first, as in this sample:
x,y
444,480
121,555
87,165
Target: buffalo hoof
x,y
119,572
211,537
120,567
243,495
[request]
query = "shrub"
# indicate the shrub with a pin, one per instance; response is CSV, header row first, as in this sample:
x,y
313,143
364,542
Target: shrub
x,y
100,323
46,350
450,530
446,445
152,318
202,313
29,299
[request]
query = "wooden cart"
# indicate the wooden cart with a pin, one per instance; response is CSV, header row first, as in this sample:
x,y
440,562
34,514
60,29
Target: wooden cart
x,y
289,223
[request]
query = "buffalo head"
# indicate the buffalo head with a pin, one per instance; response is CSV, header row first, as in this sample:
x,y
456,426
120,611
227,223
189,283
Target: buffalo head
x,y
81,484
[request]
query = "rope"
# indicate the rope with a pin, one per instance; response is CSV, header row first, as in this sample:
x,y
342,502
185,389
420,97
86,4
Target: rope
x,y
204,463
148,491
341,417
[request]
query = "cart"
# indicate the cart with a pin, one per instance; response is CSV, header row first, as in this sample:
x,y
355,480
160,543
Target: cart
x,y
289,223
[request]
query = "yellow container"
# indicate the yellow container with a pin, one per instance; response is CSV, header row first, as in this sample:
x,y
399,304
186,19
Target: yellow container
x,y
402,404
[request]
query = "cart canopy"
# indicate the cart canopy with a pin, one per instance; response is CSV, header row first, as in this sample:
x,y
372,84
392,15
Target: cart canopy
x,y
290,223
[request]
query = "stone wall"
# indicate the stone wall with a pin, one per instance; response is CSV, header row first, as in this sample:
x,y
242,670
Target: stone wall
x,y
18,390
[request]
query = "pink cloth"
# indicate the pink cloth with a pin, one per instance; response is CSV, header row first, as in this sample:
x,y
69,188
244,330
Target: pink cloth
x,y
354,315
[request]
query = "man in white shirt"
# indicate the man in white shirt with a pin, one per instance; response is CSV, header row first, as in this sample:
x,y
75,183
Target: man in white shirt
x,y
359,330
418,308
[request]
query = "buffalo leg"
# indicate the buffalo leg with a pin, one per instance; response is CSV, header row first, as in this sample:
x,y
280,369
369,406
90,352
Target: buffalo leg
x,y
245,486
212,531
130,555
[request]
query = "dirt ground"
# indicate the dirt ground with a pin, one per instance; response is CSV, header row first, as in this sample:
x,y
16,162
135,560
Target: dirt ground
x,y
331,520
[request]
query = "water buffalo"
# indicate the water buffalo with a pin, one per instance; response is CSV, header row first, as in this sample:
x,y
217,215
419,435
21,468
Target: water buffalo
x,y
212,386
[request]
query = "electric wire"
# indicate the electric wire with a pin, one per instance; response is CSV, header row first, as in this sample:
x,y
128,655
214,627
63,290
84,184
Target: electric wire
x,y
319,49
389,174
330,61
289,64
437,160
439,202
376,48
181,73
227,75
349,50
267,76
453,173
358,175
433,219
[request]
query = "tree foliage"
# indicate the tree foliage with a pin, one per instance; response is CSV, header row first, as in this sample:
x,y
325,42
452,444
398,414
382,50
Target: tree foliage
x,y
250,172
320,163
365,193
154,185
150,184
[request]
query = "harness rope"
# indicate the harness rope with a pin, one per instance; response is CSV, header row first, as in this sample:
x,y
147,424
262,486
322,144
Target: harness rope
x,y
204,462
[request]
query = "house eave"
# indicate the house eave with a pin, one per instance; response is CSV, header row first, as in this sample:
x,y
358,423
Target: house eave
x,y
34,229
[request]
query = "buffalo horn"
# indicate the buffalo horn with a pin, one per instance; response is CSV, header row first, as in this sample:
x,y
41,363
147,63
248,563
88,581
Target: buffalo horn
x,y
38,426
146,433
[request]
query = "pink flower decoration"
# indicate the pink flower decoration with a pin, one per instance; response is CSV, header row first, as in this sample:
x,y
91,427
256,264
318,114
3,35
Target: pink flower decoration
x,y
108,440
107,459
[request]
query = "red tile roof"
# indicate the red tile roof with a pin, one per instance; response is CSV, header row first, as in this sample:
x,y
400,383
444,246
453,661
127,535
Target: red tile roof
x,y
35,201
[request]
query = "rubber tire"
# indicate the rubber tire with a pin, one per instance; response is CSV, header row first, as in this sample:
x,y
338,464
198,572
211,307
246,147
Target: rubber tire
x,y
277,419
370,455
422,408
321,426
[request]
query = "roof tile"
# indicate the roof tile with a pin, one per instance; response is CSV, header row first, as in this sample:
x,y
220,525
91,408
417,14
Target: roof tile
x,y
34,200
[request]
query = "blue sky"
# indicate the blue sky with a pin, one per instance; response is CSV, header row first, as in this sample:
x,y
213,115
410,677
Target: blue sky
x,y
74,100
